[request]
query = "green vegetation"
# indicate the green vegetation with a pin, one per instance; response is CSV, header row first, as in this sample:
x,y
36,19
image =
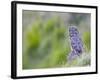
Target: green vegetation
x,y
46,44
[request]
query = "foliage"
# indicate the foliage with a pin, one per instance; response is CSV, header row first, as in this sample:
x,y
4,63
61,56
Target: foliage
x,y
46,44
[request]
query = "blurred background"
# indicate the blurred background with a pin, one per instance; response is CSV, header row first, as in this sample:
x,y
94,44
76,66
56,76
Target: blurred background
x,y
45,40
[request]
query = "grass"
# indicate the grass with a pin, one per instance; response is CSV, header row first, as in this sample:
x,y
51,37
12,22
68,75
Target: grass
x,y
46,45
